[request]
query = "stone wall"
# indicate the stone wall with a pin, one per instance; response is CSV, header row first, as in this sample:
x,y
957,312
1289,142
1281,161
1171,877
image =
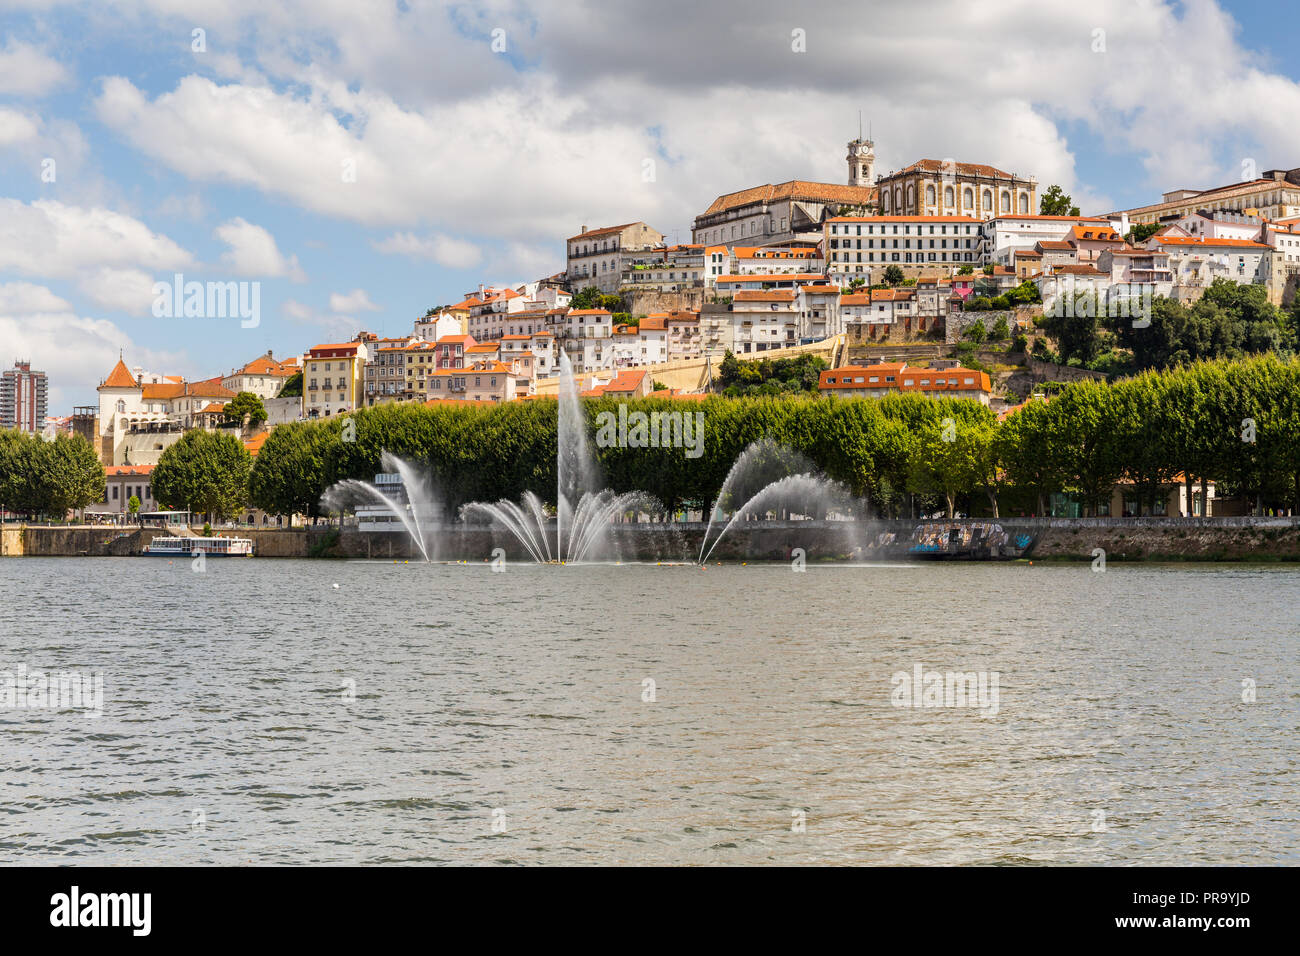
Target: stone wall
x,y
645,301
1074,539
1041,371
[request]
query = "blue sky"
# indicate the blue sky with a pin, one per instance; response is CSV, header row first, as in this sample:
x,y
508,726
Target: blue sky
x,y
483,134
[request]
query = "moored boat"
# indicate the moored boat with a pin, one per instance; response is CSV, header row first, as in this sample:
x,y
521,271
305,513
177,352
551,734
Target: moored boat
x,y
172,546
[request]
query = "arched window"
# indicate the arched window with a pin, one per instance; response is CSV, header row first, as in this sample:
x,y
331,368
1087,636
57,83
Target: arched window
x,y
898,198
947,197
1005,201
911,195
968,197
885,197
987,202
1024,204
929,195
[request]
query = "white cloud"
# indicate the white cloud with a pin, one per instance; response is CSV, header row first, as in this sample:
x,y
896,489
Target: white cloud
x,y
337,327
112,257
538,152
17,127
26,298
38,325
355,301
27,71
444,250
253,252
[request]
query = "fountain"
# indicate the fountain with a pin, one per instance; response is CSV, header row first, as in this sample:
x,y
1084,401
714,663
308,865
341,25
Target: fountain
x,y
766,477
798,488
583,514
420,520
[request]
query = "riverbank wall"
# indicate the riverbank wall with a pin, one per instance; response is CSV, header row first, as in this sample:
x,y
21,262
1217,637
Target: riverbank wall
x,y
1063,539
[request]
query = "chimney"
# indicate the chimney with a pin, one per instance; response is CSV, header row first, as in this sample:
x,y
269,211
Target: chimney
x,y
584,228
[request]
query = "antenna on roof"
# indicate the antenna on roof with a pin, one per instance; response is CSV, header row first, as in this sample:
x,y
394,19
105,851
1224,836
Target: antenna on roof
x,y
859,124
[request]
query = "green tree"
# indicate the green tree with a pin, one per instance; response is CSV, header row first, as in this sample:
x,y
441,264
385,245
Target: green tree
x,y
1055,202
66,474
1087,441
893,275
586,298
1027,452
133,505
1141,232
292,387
204,472
950,457
245,404
975,332
1001,330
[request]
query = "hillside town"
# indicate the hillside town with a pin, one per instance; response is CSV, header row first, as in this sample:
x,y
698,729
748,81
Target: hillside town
x,y
878,277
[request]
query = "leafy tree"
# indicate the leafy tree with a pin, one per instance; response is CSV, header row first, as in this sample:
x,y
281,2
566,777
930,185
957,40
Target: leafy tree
x,y
1001,330
1055,202
893,275
950,456
1020,343
1141,232
586,298
1086,440
245,404
770,377
204,472
133,505
48,477
292,387
975,332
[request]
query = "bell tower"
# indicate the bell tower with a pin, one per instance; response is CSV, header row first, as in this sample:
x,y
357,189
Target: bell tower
x,y
862,162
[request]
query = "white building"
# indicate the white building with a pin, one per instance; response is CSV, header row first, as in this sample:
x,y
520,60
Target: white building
x,y
1196,262
1005,235
764,320
595,256
859,247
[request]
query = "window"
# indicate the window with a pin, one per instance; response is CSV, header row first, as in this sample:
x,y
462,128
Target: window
x,y
968,198
947,196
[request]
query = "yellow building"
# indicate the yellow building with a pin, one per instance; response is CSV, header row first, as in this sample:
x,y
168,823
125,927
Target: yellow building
x,y
331,378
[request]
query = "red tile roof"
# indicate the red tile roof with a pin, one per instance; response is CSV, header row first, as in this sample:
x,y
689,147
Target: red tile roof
x,y
120,377
796,190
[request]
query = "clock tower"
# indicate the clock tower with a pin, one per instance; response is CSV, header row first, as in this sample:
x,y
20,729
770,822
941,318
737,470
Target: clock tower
x,y
862,162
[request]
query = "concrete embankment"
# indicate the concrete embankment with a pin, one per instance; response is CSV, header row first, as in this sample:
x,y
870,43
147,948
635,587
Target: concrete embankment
x,y
1122,539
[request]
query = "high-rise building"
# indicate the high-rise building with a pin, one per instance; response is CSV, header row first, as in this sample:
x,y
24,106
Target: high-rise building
x,y
23,398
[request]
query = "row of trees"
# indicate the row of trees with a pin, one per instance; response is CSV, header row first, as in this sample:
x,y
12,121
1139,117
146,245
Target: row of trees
x,y
39,477
1236,422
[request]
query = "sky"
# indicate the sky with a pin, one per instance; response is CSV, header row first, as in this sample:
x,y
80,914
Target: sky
x,y
361,161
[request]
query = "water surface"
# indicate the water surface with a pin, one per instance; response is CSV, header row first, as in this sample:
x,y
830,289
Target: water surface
x,y
515,700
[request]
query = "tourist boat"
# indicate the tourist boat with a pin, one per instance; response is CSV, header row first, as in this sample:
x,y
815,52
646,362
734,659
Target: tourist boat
x,y
171,546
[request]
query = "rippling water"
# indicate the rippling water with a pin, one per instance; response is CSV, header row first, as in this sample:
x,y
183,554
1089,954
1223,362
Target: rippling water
x,y
515,701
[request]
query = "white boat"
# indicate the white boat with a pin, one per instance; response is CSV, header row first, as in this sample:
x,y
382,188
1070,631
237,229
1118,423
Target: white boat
x,y
172,546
